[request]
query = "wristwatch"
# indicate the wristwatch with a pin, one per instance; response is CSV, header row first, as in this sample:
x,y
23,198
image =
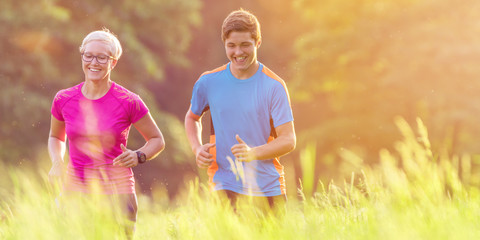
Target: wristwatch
x,y
142,158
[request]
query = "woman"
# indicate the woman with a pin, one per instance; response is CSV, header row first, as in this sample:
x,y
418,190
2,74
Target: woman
x,y
96,116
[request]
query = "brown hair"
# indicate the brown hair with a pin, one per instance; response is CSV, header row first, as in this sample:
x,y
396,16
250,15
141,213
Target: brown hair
x,y
241,21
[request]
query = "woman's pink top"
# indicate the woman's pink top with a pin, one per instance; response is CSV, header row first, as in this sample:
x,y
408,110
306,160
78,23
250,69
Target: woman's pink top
x,y
95,129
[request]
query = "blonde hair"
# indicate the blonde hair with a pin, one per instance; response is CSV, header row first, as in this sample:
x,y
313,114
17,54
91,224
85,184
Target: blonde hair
x,y
107,36
241,21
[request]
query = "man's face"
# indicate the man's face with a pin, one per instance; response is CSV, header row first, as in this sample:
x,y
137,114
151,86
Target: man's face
x,y
241,50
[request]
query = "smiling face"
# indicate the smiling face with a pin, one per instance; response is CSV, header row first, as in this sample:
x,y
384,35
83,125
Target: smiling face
x,y
95,71
241,50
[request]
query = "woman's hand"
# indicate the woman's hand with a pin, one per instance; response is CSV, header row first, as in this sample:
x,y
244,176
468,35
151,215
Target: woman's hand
x,y
55,175
127,159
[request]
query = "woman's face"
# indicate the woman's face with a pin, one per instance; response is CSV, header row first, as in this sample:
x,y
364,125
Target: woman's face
x,y
97,62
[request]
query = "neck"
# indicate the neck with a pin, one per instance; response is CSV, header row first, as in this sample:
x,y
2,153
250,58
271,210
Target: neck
x,y
95,90
247,73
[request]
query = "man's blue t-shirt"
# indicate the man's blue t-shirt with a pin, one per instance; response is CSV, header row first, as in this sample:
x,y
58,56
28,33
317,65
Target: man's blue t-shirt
x,y
251,108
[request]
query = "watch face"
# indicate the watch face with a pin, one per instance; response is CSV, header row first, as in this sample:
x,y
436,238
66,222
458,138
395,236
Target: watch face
x,y
141,157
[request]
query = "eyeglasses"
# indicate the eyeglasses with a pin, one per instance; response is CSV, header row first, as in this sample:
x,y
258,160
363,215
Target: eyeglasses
x,y
100,58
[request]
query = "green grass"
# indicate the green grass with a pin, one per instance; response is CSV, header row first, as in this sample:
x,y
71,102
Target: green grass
x,y
425,199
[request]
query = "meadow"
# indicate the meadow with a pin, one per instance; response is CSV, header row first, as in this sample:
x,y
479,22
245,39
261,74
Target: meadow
x,y
412,193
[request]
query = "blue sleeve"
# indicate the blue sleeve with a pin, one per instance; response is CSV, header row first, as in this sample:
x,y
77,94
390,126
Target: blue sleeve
x,y
199,100
280,109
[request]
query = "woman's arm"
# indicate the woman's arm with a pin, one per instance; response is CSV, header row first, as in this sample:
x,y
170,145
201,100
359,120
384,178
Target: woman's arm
x,y
155,143
56,148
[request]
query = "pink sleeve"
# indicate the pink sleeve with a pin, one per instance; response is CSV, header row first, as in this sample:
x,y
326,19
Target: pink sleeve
x,y
137,108
56,108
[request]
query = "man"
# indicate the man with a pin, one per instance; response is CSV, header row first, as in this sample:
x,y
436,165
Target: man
x,y
251,115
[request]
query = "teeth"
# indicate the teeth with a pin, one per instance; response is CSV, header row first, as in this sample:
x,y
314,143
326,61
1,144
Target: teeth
x,y
94,70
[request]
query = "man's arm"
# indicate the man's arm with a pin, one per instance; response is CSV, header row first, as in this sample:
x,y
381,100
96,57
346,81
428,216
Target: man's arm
x,y
283,144
193,128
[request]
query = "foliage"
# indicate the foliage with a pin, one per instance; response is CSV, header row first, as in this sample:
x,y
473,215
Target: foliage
x,y
41,49
351,67
427,200
362,63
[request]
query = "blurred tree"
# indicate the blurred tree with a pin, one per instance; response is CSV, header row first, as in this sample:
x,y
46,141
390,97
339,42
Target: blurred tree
x,y
361,63
351,67
39,48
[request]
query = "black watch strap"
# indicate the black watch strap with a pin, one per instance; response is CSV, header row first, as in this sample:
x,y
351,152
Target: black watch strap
x,y
142,158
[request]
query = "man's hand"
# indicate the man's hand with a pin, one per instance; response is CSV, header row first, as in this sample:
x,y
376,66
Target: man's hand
x,y
127,159
203,157
242,151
